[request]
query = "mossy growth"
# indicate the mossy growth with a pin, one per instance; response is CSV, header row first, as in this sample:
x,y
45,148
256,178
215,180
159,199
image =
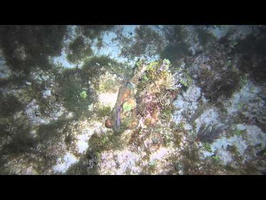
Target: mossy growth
x,y
34,91
26,47
230,169
78,50
191,156
155,71
108,85
177,138
176,33
93,67
252,50
103,111
151,71
83,94
99,143
175,52
5,129
178,47
69,139
87,165
232,149
216,158
73,101
186,81
21,141
78,168
9,105
223,87
93,31
14,80
167,113
180,126
250,169
148,42
53,132
204,36
207,147
238,132
75,92
5,82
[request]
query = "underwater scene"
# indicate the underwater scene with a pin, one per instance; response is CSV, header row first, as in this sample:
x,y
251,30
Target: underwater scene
x,y
132,99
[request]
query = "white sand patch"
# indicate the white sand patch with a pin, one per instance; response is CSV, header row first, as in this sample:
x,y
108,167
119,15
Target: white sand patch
x,y
32,110
188,104
108,99
245,96
159,154
254,137
63,57
46,93
89,129
63,164
209,116
82,145
119,162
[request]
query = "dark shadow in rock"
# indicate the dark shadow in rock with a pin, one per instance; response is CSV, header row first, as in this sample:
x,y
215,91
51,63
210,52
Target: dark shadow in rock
x,y
146,41
27,47
78,50
9,105
93,31
21,143
178,47
87,165
252,53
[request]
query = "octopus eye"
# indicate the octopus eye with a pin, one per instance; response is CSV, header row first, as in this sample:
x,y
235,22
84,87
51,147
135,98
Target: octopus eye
x,y
109,123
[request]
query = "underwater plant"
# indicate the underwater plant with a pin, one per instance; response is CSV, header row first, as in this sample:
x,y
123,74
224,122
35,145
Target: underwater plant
x,y
209,134
83,94
78,50
146,98
25,47
207,147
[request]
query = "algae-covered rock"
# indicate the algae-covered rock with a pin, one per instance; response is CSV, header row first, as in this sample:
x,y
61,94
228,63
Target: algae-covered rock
x,y
141,98
123,115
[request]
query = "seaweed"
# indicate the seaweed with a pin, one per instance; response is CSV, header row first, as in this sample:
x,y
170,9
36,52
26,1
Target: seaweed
x,y
251,51
93,31
197,113
26,47
147,41
87,165
51,133
204,36
9,105
21,141
75,91
78,50
217,84
178,47
209,134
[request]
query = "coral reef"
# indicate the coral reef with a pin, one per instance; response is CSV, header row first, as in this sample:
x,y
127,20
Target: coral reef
x,y
141,100
99,100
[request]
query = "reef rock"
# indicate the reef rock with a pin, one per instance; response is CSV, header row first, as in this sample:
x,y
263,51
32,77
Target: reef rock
x,y
143,97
